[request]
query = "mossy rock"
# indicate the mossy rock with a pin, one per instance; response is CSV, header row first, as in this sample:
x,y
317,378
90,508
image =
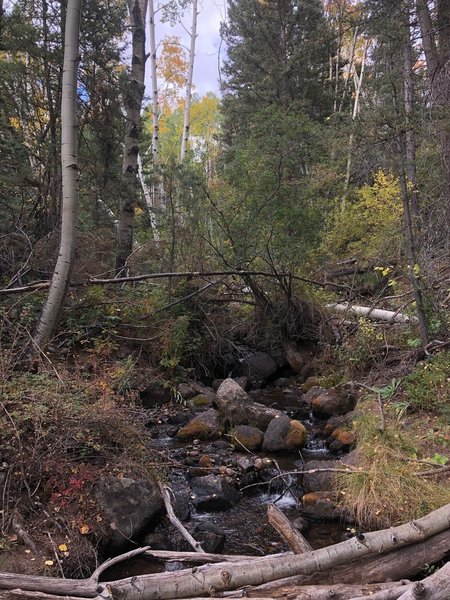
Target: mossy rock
x,y
205,426
246,437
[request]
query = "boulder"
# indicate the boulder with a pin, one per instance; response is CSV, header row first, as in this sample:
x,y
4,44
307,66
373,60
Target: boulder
x,y
284,434
200,401
246,437
154,394
158,541
312,393
333,423
237,407
335,401
313,482
130,505
205,426
213,492
258,366
296,357
244,382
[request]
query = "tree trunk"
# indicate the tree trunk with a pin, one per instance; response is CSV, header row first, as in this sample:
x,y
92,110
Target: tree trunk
x,y
69,163
187,105
434,587
133,103
406,191
157,191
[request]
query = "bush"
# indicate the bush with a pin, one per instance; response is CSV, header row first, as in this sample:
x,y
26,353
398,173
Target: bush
x,y
428,387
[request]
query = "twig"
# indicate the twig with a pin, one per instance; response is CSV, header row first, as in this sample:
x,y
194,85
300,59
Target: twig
x,y
117,559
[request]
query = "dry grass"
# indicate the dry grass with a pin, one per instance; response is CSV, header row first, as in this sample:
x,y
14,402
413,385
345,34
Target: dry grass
x,y
388,490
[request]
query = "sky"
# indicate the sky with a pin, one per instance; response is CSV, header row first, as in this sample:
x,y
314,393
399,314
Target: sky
x,y
208,50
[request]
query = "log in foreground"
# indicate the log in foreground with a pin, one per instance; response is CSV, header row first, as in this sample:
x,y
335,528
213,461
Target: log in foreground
x,y
210,579
394,566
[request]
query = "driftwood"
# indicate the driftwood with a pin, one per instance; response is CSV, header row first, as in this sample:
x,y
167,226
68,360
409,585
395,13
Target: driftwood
x,y
296,542
165,492
213,579
340,591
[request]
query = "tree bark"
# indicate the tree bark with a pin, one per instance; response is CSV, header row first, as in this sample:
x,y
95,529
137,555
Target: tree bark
x,y
133,103
297,543
69,163
434,587
188,99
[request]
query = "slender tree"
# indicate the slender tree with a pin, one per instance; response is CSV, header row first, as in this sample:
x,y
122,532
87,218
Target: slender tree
x,y
69,165
134,94
188,97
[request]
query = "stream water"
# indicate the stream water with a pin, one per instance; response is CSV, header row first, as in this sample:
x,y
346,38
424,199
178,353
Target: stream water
x,y
246,528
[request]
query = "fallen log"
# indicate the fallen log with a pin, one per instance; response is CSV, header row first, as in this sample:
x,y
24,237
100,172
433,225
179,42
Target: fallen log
x,y
295,540
394,566
375,314
212,579
434,587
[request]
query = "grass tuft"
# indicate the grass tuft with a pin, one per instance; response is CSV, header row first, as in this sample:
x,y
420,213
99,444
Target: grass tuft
x,y
388,490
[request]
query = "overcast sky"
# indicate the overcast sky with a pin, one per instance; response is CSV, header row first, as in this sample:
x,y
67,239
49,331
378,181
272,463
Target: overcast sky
x,y
206,72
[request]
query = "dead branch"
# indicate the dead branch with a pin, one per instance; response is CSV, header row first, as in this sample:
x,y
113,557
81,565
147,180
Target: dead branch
x,y
297,543
166,492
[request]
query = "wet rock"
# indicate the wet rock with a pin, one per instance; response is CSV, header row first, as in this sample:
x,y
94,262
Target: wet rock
x,y
258,366
213,492
246,437
180,503
335,401
130,505
311,394
237,407
341,440
333,423
200,388
158,541
321,505
297,357
284,434
205,426
211,537
313,482
186,390
310,369
200,400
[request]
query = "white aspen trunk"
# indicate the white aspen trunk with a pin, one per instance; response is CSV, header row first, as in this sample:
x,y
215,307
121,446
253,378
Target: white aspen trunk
x,y
157,191
358,80
133,103
69,163
149,199
187,105
375,314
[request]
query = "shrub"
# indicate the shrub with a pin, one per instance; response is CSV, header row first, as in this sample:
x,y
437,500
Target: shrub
x,y
428,387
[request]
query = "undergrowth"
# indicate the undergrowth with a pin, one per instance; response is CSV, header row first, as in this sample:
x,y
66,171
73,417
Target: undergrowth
x,y
387,489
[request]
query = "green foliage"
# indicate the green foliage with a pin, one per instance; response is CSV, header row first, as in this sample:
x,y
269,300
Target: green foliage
x,y
361,350
369,225
428,387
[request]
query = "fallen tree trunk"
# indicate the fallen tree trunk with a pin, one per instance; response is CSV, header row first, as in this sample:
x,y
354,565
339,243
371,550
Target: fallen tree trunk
x,y
212,579
375,314
394,566
434,587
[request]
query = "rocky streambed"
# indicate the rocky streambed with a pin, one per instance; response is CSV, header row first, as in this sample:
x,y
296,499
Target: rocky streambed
x,y
227,451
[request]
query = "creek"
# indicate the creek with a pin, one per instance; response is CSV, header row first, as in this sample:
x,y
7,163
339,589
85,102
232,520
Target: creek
x,y
244,526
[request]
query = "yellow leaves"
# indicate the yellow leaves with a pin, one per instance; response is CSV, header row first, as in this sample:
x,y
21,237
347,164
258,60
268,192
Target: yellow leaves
x,y
84,529
63,548
49,563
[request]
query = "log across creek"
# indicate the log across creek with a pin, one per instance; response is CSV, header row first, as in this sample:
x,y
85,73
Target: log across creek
x,y
250,575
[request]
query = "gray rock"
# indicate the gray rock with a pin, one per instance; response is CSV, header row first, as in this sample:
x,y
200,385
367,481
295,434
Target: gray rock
x,y
211,537
129,505
213,492
258,365
313,482
158,541
237,407
284,434
205,426
335,401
